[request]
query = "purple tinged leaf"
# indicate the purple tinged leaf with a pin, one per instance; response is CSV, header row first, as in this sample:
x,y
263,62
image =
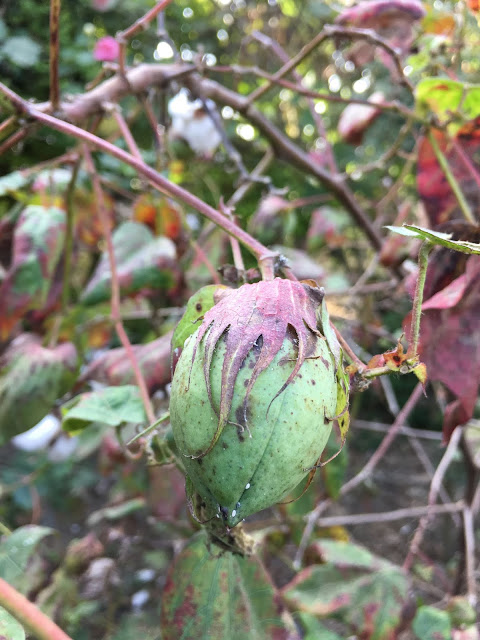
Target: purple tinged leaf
x,y
32,379
38,242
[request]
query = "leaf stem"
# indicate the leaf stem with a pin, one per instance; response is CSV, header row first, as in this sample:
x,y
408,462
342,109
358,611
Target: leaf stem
x,y
424,252
452,181
29,615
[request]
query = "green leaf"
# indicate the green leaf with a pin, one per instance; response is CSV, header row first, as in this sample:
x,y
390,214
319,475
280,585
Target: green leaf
x,y
197,306
16,551
113,406
12,182
213,594
314,629
361,589
21,51
448,98
436,237
432,624
32,380
10,628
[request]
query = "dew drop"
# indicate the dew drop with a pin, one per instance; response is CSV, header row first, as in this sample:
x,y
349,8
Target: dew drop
x,y
234,513
247,486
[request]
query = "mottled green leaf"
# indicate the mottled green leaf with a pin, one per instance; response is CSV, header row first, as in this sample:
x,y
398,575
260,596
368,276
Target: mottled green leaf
x,y
37,246
213,594
10,628
356,586
314,629
432,624
32,379
143,262
447,99
21,51
16,551
437,237
196,308
113,406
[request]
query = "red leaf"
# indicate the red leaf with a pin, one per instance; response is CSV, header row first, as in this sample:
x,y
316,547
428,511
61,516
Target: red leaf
x,y
356,118
462,156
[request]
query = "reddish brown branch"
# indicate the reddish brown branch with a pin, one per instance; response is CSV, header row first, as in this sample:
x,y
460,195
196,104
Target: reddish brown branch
x,y
29,615
54,53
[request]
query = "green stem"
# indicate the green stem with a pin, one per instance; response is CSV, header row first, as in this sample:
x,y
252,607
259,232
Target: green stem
x,y
67,267
452,181
150,428
418,299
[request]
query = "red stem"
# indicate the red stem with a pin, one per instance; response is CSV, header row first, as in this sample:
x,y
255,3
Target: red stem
x,y
115,288
28,614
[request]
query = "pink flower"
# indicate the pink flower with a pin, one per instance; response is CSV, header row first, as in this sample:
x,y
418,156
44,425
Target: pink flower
x,y
106,49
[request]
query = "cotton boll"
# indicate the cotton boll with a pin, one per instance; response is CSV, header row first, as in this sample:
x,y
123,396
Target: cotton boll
x,y
39,436
192,124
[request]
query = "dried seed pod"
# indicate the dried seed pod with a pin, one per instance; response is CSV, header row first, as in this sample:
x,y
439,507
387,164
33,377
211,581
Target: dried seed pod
x,y
254,395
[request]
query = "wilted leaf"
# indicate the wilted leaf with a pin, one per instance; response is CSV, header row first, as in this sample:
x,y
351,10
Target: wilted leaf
x,y
213,594
143,262
450,347
438,238
32,379
461,153
393,20
114,368
10,629
356,118
327,228
113,406
38,242
362,589
16,551
432,624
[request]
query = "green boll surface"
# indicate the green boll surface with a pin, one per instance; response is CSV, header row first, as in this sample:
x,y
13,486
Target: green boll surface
x,y
241,474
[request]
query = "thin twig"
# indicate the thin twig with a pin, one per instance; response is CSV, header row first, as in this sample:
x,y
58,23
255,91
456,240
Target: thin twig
x,y
362,475
54,53
404,430
126,132
391,516
469,537
29,615
139,25
161,183
432,496
115,296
